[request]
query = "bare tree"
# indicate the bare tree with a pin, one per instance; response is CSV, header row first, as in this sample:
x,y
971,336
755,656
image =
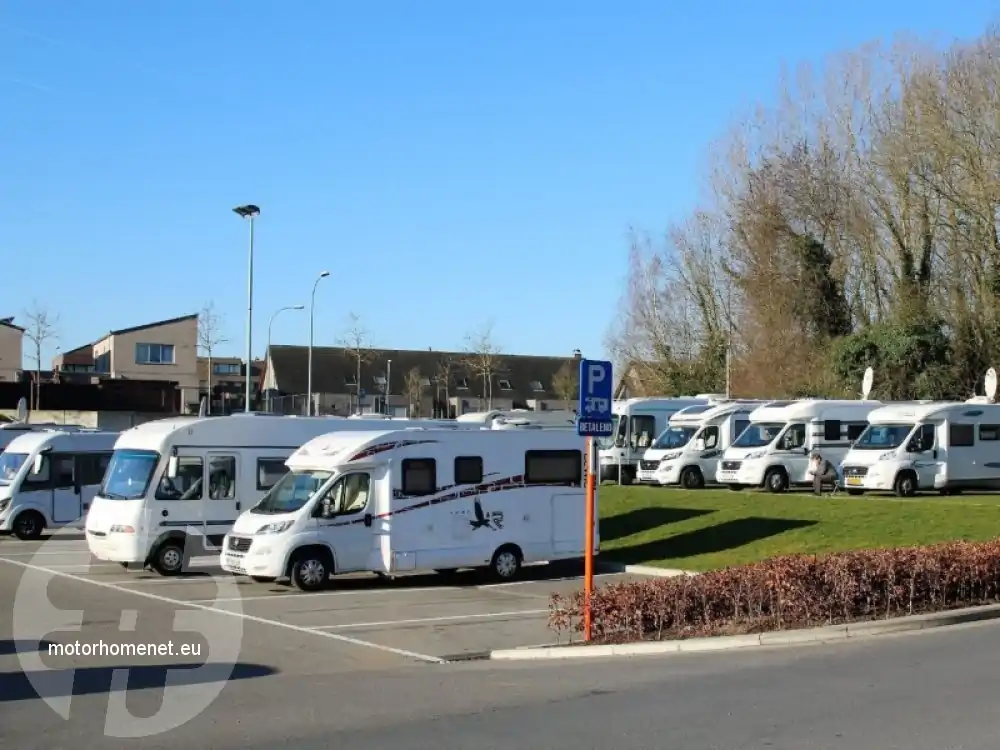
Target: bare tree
x,y
414,385
483,359
442,381
41,327
210,336
357,343
566,383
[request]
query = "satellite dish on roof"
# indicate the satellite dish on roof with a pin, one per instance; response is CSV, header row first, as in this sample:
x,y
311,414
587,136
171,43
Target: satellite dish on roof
x,y
991,384
22,410
203,407
866,384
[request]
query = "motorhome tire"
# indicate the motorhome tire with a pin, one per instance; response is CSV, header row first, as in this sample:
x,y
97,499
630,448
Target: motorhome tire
x,y
168,559
735,487
311,568
692,479
855,492
506,563
29,525
446,571
905,484
776,480
627,476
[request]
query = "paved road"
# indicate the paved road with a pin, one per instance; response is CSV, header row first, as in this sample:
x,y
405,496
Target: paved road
x,y
292,688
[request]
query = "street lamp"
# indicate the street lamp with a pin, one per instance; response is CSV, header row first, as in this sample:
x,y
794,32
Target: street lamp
x,y
269,324
312,311
388,381
250,212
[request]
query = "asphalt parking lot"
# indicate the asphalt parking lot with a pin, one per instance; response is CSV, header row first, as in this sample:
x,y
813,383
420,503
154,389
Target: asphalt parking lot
x,y
380,622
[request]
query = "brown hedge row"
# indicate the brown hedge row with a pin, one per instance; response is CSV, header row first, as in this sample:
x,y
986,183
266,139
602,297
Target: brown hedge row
x,y
790,592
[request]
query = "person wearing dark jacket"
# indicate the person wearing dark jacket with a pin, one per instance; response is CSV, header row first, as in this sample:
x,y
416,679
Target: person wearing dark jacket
x,y
823,472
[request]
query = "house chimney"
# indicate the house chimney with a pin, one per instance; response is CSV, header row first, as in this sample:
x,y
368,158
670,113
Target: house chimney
x,y
577,354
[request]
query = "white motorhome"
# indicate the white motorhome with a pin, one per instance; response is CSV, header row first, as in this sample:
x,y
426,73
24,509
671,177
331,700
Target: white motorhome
x,y
173,479
401,500
773,452
687,452
48,478
554,418
10,431
938,446
635,424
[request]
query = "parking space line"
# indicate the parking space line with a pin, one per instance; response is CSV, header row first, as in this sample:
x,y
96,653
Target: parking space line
x,y
447,618
342,592
229,613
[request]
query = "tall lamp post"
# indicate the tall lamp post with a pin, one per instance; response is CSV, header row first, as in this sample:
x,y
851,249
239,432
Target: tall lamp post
x,y
268,355
312,312
250,212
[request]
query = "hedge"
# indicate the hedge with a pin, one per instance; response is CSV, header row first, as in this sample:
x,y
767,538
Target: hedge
x,y
789,592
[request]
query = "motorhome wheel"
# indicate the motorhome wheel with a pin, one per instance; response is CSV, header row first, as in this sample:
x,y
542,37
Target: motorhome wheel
x,y
906,484
310,570
29,525
169,558
506,562
776,480
691,478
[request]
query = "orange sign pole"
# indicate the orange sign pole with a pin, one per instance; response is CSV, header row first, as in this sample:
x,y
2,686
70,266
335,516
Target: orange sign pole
x,y
588,559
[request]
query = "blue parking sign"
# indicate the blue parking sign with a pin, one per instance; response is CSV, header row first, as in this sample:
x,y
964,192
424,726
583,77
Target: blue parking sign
x,y
596,391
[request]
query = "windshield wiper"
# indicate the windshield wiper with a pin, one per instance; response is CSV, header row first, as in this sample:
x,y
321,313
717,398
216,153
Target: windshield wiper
x,y
116,496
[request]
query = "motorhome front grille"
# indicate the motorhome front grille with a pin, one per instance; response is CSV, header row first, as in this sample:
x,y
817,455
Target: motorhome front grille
x,y
649,465
731,465
855,471
239,544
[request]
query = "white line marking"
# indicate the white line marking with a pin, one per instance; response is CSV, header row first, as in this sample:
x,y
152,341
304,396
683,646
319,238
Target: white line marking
x,y
317,594
242,615
383,623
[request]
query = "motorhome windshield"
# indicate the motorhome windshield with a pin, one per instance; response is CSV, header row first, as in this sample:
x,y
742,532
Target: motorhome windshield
x,y
883,437
758,434
674,436
291,492
128,474
10,464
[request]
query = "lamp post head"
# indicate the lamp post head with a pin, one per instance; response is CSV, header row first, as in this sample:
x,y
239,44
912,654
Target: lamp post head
x,y
324,274
248,211
298,307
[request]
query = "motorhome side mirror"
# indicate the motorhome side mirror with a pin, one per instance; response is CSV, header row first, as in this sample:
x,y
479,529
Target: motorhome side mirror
x,y
172,467
36,467
368,519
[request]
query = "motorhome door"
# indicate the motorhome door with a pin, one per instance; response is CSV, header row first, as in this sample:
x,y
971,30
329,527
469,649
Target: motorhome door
x,y
342,514
176,501
67,503
225,496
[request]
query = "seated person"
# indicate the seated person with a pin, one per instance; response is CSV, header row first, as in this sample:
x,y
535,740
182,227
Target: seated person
x,y
822,472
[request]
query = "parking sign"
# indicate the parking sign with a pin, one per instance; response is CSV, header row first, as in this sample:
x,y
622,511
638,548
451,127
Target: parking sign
x,y
596,387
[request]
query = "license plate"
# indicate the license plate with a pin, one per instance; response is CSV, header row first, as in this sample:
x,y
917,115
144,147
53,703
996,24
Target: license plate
x,y
855,480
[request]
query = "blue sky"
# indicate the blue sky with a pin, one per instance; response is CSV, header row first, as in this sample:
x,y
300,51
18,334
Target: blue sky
x,y
450,163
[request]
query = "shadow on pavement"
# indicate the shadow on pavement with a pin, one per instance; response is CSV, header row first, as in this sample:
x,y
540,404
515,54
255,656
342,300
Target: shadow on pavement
x,y
719,538
54,683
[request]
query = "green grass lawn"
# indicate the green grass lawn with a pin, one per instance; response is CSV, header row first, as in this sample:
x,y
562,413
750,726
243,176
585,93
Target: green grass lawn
x,y
707,529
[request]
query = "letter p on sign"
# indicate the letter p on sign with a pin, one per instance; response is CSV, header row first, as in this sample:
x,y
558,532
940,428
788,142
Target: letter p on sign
x,y
595,375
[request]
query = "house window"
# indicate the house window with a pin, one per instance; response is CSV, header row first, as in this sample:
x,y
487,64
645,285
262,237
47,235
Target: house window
x,y
468,469
350,380
425,382
419,476
154,354
505,385
102,362
227,368
462,384
380,381
536,386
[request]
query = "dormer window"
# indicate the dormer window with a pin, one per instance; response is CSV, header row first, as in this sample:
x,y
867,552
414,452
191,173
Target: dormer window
x,y
351,380
425,382
537,387
462,384
505,385
379,380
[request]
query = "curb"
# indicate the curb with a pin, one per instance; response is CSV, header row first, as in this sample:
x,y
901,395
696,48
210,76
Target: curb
x,y
643,570
825,634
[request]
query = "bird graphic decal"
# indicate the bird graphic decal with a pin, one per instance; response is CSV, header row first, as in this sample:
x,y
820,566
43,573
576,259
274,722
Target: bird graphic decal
x,y
481,519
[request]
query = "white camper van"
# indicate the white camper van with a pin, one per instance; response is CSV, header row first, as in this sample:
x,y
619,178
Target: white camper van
x,y
393,501
12,430
554,418
773,452
635,424
687,452
48,478
192,476
944,447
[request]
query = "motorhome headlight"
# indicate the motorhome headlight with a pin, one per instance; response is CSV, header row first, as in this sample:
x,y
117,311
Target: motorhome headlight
x,y
4,502
275,528
119,529
670,457
752,456
887,456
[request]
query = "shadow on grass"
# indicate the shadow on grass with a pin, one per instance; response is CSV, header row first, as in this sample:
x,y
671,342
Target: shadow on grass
x,y
719,538
643,519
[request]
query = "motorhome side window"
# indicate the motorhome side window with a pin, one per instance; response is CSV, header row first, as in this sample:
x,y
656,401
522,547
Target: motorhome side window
x,y
468,469
554,467
710,435
854,430
419,476
221,477
794,438
831,430
989,432
923,439
187,485
63,471
643,430
269,471
93,466
961,435
739,426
